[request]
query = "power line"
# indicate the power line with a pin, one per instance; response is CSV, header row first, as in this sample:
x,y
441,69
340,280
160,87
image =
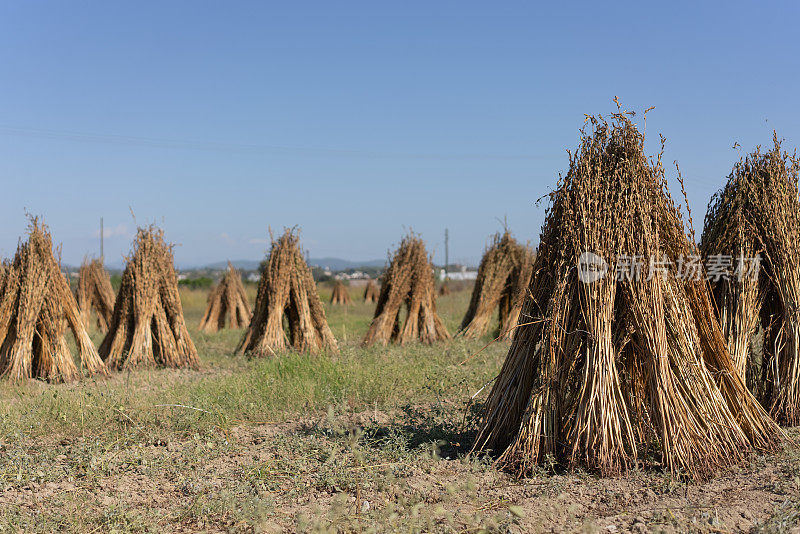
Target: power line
x,y
245,148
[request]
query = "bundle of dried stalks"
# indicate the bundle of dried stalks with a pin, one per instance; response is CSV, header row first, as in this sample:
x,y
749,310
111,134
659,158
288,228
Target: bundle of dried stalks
x,y
503,277
94,292
755,221
147,327
444,289
287,289
36,307
409,281
371,292
227,300
605,373
340,294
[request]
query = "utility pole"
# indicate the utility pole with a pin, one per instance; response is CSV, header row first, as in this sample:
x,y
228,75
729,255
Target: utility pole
x,y
102,256
446,251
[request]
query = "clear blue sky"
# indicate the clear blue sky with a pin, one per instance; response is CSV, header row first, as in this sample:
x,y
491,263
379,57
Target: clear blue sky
x,y
356,120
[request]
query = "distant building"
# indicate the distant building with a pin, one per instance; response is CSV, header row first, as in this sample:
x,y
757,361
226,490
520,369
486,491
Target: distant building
x,y
355,275
463,274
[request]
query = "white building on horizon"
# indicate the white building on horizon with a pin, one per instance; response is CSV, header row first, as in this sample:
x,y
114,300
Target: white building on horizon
x,y
463,274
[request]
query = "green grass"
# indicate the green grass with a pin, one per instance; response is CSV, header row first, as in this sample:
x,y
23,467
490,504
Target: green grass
x,y
88,433
233,389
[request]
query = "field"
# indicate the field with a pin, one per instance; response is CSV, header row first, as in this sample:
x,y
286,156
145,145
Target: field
x,y
371,439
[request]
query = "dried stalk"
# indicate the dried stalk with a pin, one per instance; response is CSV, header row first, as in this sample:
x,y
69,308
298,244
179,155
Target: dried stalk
x,y
340,296
287,290
503,275
607,373
94,293
147,327
371,292
36,307
444,289
409,281
757,215
227,301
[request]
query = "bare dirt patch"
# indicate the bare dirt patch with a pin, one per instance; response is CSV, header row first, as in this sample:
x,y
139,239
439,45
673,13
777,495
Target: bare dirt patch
x,y
355,471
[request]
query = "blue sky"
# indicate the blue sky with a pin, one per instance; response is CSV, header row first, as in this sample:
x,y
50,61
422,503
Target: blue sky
x,y
358,120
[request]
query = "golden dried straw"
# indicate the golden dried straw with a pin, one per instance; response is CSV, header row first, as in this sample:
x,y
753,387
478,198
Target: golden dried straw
x,y
340,296
757,215
94,293
36,307
371,292
147,327
287,289
504,274
227,301
617,371
409,281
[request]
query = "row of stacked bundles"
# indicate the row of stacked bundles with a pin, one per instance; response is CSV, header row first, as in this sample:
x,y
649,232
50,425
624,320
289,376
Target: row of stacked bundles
x,y
144,324
605,372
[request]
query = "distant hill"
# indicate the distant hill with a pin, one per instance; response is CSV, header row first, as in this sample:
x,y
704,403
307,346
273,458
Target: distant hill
x,y
335,264
242,265
338,264
114,267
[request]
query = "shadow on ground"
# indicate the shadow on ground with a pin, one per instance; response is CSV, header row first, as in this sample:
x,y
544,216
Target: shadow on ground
x,y
444,432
